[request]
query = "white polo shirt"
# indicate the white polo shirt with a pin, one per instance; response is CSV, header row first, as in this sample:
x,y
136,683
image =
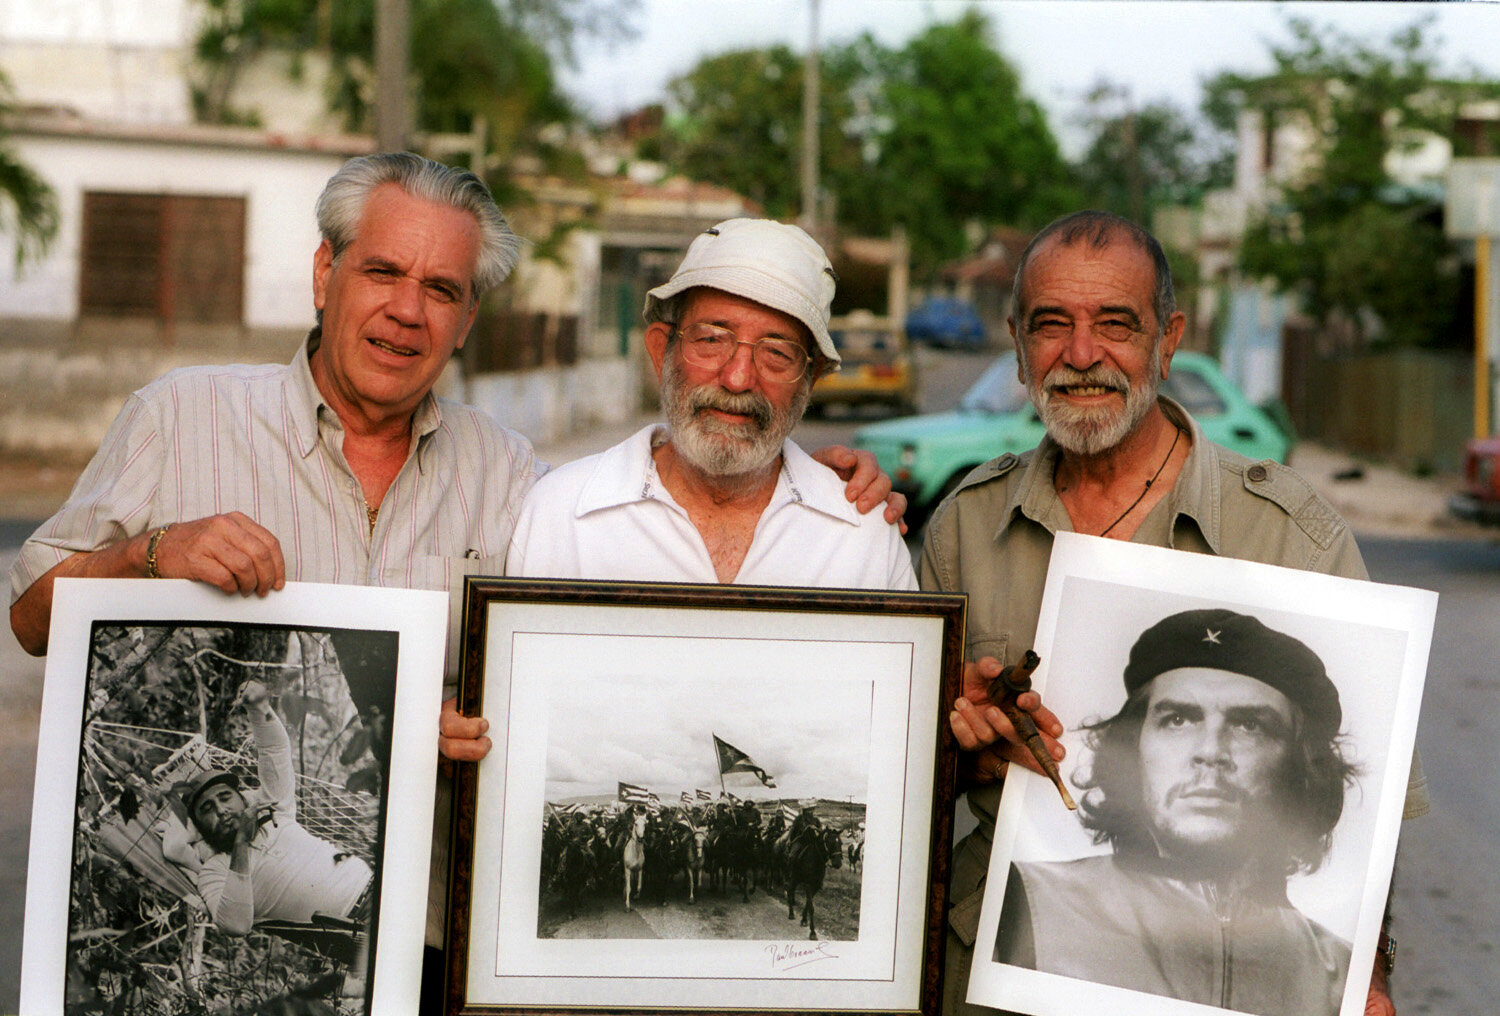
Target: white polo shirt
x,y
608,516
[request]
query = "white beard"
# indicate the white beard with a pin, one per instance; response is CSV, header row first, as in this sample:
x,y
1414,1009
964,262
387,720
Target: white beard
x,y
717,448
1091,430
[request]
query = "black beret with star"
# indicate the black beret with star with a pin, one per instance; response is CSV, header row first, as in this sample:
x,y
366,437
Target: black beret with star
x,y
1219,639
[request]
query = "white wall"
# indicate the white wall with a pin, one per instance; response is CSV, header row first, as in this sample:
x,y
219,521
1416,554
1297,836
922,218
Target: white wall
x,y
117,60
118,22
554,402
280,189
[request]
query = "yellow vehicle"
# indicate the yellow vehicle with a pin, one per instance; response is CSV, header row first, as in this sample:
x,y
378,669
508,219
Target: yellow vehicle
x,y
877,365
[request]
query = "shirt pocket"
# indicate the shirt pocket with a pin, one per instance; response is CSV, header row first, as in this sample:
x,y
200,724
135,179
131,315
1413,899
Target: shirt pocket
x,y
978,644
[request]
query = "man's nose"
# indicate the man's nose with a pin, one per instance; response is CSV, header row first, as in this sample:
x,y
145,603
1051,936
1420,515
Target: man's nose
x,y
1213,746
406,302
738,373
1082,349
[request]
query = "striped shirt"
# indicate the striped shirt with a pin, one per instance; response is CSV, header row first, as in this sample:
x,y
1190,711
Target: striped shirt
x,y
261,440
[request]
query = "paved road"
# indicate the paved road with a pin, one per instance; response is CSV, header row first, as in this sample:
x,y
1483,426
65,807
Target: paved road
x,y
1447,885
20,708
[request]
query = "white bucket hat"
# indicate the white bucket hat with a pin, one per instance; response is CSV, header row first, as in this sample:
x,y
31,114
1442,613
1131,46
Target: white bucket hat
x,y
769,262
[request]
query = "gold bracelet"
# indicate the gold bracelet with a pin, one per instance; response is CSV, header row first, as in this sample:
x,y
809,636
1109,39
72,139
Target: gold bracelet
x,y
151,569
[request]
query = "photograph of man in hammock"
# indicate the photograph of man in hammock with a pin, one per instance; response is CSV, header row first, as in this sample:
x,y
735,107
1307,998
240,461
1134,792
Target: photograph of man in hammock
x,y
230,812
263,865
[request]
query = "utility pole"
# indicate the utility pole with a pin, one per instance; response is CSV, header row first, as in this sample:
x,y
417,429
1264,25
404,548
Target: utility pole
x,y
1471,211
392,44
811,86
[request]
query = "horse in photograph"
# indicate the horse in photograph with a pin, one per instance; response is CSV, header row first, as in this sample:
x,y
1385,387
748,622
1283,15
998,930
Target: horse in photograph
x,y
769,862
567,866
667,853
810,848
633,853
732,843
856,848
697,860
576,871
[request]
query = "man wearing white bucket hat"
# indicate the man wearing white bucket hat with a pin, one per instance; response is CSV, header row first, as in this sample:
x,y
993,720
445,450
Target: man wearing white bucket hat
x,y
718,493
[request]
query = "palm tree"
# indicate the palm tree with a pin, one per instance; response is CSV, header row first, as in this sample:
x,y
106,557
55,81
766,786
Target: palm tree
x,y
28,205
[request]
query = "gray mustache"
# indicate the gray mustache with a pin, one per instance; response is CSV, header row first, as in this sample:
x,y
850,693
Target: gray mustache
x,y
1107,377
743,403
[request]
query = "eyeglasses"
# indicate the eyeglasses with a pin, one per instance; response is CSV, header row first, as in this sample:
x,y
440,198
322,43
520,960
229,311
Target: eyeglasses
x,y
710,347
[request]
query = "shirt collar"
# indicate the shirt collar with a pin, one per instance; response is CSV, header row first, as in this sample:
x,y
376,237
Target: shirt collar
x,y
1191,497
626,474
307,404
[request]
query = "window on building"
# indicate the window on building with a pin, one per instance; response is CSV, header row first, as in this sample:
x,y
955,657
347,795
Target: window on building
x,y
173,257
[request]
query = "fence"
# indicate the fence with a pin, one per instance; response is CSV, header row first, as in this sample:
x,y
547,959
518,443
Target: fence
x,y
1411,408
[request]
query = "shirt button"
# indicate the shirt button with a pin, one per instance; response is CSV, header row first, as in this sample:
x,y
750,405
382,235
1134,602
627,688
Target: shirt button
x,y
1256,473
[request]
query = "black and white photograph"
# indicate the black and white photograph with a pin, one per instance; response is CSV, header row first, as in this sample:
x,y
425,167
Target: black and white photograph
x,y
705,804
229,818
658,827
1238,740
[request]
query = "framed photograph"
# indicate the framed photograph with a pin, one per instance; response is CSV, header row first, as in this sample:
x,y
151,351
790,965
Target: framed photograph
x,y
704,798
1239,739
217,784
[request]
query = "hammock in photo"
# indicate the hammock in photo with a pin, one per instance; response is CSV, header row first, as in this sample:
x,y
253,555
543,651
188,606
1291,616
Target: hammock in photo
x,y
144,826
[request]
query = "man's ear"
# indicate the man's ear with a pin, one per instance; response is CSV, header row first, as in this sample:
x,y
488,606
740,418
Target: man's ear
x,y
468,324
1176,326
657,334
322,265
1010,323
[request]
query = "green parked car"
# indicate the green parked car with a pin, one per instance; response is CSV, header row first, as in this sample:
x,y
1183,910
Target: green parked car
x,y
928,455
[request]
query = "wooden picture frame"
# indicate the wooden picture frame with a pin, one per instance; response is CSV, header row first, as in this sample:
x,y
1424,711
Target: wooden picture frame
x,y
600,695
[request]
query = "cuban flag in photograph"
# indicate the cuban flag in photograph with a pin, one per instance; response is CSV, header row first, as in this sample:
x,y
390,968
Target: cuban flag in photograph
x,y
632,794
732,760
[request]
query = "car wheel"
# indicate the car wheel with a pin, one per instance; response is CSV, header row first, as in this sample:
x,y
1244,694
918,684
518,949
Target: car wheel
x,y
923,513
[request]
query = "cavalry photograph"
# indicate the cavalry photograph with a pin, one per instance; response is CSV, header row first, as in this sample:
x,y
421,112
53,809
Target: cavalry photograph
x,y
660,825
701,798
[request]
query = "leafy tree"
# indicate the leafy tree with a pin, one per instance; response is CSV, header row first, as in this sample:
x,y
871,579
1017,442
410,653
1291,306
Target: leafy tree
x,y
28,206
930,136
469,58
1345,235
739,122
1142,158
952,138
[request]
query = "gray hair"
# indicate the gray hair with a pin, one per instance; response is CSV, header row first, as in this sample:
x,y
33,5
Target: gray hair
x,y
668,311
1097,229
343,202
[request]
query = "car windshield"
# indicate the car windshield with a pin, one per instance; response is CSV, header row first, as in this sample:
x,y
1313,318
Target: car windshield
x,y
997,390
1194,393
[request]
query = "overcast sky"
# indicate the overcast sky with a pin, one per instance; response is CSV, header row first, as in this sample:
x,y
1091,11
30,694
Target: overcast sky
x,y
1159,48
655,727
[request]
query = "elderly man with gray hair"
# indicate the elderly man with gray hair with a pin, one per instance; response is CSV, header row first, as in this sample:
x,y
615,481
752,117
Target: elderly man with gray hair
x,y
720,493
